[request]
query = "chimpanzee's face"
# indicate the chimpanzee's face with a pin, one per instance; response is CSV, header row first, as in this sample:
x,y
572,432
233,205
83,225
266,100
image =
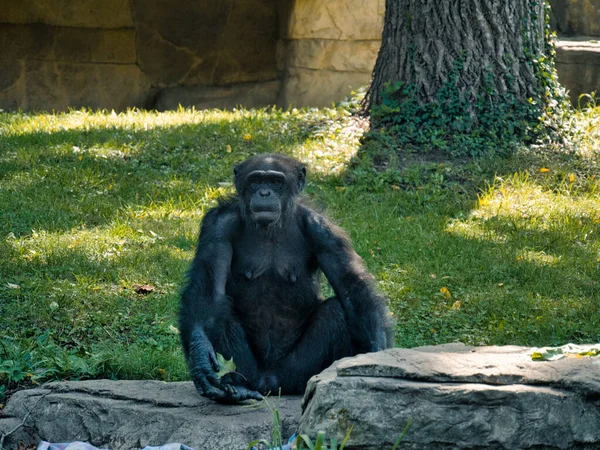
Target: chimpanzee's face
x,y
268,185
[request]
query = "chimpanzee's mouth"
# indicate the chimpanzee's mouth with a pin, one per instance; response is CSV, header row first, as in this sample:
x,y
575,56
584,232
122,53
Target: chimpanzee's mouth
x,y
265,217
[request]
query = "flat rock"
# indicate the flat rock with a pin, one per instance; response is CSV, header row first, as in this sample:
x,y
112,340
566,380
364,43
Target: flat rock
x,y
133,414
458,398
578,65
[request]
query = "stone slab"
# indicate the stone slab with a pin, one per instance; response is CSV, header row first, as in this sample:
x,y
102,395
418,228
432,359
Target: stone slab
x,y
457,398
42,42
68,13
576,17
250,95
308,87
34,85
329,54
132,414
206,43
578,65
342,20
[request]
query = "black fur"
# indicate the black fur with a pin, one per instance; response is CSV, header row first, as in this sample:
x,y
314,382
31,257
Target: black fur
x,y
253,290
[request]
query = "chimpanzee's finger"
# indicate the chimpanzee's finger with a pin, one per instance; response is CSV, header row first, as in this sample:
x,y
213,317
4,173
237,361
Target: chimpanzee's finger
x,y
212,357
208,390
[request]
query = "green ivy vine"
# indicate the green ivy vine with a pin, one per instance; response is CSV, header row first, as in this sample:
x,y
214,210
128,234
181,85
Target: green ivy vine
x,y
497,123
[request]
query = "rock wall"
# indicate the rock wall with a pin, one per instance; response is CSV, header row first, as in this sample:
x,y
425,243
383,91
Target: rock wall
x,y
328,48
577,23
56,54
576,17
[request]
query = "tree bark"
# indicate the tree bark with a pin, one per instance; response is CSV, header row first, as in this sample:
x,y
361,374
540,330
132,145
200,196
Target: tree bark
x,y
483,47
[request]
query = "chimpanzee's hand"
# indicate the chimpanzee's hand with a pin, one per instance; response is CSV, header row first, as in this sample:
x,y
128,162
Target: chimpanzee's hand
x,y
204,368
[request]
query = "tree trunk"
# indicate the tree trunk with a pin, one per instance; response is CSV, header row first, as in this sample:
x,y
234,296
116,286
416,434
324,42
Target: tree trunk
x,y
480,46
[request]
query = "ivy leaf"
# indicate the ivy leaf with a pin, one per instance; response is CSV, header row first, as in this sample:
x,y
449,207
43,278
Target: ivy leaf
x,y
225,366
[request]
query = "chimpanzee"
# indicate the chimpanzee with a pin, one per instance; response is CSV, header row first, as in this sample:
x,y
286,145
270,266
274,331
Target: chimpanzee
x,y
253,290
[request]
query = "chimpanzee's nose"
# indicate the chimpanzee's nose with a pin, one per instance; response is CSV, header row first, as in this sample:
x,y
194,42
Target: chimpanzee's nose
x,y
265,193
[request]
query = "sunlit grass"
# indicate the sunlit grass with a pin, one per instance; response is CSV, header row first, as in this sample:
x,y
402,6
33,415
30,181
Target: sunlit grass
x,y
94,203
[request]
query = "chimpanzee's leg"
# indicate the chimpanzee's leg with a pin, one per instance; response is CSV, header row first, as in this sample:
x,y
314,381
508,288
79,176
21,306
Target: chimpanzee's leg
x,y
325,340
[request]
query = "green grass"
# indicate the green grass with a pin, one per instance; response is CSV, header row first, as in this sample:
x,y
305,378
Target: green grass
x,y
484,252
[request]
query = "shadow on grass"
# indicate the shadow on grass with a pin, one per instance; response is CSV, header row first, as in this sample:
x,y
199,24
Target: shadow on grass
x,y
62,179
518,254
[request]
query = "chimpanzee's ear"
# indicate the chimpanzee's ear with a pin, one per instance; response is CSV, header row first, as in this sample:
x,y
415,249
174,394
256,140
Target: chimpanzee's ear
x,y
301,178
236,178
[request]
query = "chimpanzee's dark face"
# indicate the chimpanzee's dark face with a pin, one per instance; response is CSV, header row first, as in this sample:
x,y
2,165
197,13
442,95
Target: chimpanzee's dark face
x,y
265,193
268,186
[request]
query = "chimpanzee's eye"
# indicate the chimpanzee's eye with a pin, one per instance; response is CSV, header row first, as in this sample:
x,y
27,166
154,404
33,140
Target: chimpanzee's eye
x,y
254,186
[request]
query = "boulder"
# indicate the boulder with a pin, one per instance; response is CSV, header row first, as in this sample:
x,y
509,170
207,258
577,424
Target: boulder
x,y
133,414
457,398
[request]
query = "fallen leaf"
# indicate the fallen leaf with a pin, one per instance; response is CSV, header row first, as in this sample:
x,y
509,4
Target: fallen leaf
x,y
173,329
225,366
13,286
228,148
433,276
162,373
572,178
456,305
247,137
143,288
544,170
446,292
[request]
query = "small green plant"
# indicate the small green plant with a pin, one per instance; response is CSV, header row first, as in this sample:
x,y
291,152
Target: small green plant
x,y
276,438
397,443
320,444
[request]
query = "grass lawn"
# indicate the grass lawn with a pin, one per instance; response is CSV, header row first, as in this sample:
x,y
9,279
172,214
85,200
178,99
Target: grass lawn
x,y
499,251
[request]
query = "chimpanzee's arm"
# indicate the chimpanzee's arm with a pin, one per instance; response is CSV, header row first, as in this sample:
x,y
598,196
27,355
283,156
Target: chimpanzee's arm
x,y
205,307
366,310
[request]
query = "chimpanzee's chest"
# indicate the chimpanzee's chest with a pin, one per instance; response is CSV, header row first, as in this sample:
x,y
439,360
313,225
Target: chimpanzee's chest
x,y
272,263
274,286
